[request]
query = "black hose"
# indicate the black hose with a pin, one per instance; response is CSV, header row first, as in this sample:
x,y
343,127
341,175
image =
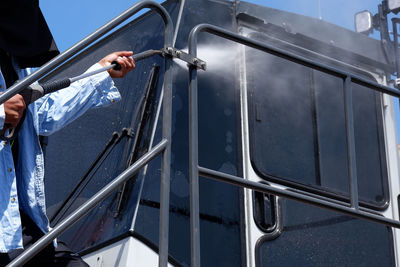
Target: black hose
x,y
139,56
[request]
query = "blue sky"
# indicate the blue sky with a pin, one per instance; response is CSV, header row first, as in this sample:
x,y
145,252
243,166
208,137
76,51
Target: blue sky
x,y
72,20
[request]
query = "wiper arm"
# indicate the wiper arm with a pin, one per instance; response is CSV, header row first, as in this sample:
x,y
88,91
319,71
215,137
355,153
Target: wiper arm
x,y
86,178
139,145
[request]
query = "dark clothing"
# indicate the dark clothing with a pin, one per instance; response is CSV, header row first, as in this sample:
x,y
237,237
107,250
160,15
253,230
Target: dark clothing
x,y
24,33
49,256
25,36
7,68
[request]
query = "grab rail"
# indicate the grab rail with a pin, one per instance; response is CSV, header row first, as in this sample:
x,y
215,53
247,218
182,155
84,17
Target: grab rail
x,y
49,66
195,170
163,147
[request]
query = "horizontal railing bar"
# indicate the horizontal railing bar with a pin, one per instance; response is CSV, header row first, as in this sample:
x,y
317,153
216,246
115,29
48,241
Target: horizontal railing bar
x,y
264,188
49,66
286,55
88,205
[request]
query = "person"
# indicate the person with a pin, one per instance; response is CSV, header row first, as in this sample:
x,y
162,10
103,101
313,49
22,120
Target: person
x,y
25,41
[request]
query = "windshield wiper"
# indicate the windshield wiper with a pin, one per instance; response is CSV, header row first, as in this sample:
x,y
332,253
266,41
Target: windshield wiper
x,y
141,143
87,177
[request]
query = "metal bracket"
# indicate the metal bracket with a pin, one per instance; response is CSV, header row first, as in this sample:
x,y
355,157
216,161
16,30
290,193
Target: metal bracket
x,y
397,83
128,132
193,61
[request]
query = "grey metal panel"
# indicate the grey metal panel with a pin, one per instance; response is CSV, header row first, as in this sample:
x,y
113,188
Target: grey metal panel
x,y
291,194
328,34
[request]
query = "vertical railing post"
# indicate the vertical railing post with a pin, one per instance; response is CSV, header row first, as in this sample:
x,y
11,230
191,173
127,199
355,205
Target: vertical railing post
x,y
166,165
396,21
193,160
351,145
166,158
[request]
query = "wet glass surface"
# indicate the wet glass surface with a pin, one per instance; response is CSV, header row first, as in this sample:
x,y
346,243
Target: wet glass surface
x,y
298,129
315,237
219,203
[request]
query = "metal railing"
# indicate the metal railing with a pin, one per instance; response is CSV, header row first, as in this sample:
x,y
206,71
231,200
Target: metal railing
x,y
163,147
195,170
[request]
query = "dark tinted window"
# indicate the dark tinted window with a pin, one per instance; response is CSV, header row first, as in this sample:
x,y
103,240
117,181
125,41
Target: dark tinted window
x,y
72,150
298,134
316,237
219,203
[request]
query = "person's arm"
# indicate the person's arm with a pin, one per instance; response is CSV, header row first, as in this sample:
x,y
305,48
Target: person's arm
x,y
60,108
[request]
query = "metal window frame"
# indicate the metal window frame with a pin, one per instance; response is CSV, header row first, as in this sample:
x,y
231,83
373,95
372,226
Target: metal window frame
x,y
195,170
316,189
163,147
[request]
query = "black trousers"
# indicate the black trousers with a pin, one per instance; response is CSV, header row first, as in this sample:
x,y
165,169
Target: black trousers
x,y
49,256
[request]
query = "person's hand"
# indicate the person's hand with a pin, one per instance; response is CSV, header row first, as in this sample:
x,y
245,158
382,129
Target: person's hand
x,y
14,109
123,58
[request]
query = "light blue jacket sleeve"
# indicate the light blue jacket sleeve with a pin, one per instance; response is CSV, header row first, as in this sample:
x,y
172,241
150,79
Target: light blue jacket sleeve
x,y
60,108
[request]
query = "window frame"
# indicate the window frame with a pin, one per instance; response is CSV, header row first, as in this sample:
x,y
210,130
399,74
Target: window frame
x,y
317,190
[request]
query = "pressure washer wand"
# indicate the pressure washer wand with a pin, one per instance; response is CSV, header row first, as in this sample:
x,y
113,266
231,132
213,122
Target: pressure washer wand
x,y
36,91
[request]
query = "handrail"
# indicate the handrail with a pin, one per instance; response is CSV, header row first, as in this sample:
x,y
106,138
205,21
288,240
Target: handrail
x,y
88,205
295,195
284,54
49,66
195,169
164,146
